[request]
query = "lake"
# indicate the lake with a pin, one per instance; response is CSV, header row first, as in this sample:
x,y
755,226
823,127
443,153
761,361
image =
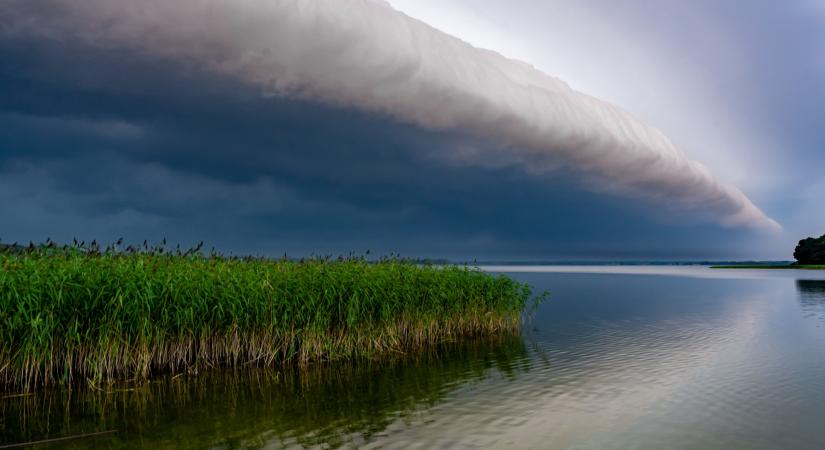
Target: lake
x,y
618,357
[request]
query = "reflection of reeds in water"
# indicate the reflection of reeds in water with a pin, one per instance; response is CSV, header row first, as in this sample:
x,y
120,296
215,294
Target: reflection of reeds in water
x,y
331,403
812,297
72,314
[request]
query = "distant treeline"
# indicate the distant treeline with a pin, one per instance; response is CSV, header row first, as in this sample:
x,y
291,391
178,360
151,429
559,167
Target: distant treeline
x,y
810,251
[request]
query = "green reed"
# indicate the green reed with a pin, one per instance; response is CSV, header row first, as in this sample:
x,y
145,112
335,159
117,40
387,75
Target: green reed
x,y
84,315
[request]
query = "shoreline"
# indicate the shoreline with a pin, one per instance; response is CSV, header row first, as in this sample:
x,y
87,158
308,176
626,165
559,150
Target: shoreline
x,y
772,267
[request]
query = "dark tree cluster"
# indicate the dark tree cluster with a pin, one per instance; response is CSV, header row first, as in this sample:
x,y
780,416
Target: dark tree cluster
x,y
811,251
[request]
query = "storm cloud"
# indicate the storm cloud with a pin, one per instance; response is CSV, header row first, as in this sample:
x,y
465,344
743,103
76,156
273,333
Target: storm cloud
x,y
363,55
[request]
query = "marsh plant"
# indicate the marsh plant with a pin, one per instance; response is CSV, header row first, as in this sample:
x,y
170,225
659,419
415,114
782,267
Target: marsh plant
x,y
90,315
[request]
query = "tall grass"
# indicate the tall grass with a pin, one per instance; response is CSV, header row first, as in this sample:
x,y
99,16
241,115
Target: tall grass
x,y
79,314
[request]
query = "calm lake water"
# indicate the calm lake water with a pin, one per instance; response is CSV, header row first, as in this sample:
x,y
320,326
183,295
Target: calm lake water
x,y
617,358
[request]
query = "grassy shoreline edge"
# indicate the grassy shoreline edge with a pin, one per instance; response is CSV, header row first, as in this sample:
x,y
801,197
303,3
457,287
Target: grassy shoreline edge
x,y
70,317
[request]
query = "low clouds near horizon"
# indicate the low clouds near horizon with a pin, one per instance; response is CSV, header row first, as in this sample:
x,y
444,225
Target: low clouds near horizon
x,y
347,120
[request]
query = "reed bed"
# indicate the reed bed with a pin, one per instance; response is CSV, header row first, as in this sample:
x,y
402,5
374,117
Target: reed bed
x,y
80,314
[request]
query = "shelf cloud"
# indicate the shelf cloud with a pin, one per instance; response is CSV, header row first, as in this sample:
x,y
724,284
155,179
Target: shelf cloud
x,y
365,56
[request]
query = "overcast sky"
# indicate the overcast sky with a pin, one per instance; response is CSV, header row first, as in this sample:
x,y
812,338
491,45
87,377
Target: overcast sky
x,y
594,129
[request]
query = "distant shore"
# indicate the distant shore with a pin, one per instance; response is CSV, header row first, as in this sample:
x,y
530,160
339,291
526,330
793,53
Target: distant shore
x,y
771,266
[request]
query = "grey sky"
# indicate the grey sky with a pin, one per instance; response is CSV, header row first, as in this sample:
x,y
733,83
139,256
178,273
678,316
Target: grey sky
x,y
102,141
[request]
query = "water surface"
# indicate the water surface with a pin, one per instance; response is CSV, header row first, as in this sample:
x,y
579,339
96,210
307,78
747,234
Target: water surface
x,y
618,357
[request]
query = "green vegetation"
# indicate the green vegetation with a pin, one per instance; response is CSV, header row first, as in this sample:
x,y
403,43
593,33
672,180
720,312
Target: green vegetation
x,y
77,314
811,251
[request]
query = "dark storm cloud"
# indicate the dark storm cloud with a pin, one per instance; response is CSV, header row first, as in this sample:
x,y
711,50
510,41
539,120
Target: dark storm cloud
x,y
365,56
101,143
